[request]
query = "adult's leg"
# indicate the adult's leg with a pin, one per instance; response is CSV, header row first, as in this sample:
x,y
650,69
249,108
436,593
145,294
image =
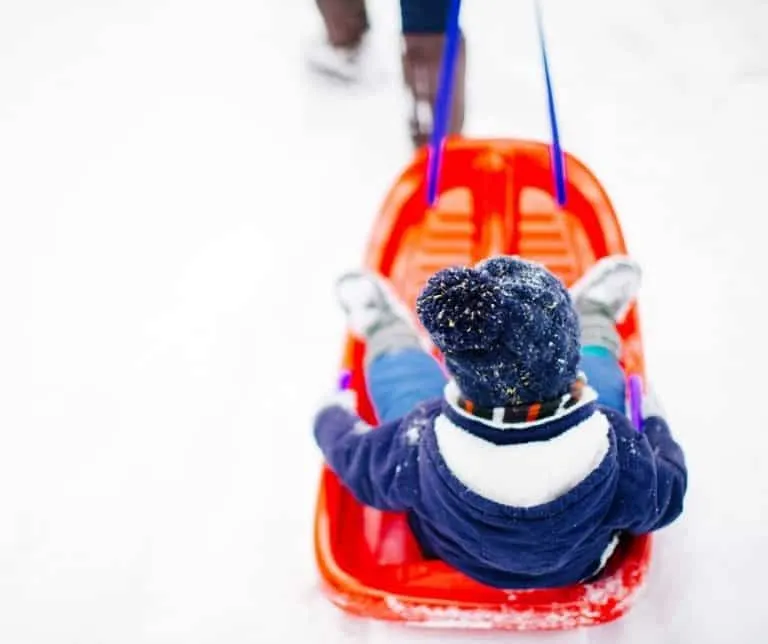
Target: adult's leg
x,y
424,25
424,16
346,21
340,51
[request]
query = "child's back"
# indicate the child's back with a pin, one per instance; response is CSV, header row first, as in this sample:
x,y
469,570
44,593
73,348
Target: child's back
x,y
510,471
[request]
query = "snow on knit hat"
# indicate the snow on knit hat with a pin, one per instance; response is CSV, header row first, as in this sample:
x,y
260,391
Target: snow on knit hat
x,y
507,329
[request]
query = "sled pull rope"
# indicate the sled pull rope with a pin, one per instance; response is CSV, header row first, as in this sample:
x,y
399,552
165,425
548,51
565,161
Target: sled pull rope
x,y
443,100
558,160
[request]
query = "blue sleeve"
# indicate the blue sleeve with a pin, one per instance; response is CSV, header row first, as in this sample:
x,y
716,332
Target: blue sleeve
x,y
378,465
656,477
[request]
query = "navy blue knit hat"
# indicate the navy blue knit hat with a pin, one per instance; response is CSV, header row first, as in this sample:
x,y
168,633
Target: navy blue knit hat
x,y
507,329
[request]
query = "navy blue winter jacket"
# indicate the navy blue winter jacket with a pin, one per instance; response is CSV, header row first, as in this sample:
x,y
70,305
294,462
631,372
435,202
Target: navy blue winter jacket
x,y
531,506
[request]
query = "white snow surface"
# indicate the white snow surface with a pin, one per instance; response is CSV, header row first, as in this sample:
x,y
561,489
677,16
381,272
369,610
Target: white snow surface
x,y
177,195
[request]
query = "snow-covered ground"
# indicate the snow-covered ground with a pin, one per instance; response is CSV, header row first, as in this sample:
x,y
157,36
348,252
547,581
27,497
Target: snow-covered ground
x,y
177,194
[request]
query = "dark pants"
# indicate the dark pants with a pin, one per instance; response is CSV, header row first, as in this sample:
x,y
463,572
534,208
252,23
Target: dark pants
x,y
424,16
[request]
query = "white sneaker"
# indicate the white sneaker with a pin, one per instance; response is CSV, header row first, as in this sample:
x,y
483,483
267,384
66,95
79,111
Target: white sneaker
x,y
368,303
345,64
611,284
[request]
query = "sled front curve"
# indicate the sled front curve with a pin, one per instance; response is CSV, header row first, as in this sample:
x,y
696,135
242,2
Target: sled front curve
x,y
496,197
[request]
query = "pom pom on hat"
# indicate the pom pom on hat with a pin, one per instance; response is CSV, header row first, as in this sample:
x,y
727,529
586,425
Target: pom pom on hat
x,y
461,308
507,330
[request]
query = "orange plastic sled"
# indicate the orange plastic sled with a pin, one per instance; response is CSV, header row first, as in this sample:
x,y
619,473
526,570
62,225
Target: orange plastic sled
x,y
495,198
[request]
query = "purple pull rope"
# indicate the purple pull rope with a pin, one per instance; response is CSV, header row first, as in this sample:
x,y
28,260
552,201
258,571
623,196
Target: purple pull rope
x,y
344,379
635,388
443,101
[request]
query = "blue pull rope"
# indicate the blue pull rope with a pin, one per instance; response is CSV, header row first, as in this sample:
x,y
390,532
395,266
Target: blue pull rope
x,y
558,159
443,101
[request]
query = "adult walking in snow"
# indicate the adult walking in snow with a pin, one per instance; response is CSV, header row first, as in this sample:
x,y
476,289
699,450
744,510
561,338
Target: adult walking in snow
x,y
423,30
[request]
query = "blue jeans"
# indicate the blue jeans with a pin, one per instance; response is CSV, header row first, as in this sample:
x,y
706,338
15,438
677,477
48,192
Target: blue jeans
x,y
399,381
605,376
424,16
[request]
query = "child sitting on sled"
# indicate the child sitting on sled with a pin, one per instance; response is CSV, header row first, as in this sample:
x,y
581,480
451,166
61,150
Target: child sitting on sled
x,y
519,466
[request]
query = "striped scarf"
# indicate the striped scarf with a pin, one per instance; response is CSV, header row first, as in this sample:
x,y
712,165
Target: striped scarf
x,y
528,412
